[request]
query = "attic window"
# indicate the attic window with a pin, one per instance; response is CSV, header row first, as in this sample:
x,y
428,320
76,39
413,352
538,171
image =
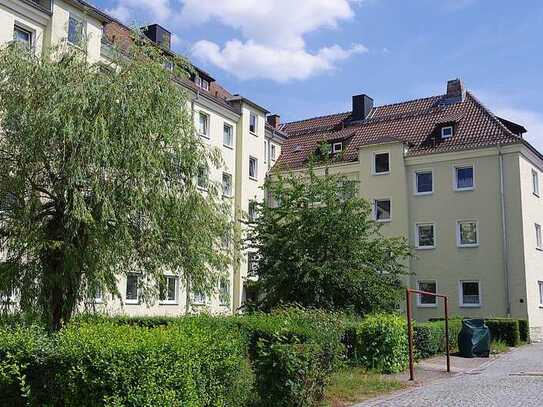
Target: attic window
x,y
202,83
447,132
337,147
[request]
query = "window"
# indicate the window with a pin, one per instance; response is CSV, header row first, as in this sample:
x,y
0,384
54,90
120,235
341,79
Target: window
x,y
381,163
75,31
337,147
132,289
168,290
272,152
203,124
535,182
538,238
202,177
168,65
252,123
98,296
425,236
252,264
22,36
540,285
226,184
382,210
265,151
470,294
467,233
228,135
224,291
447,131
424,182
202,83
463,178
253,167
425,300
252,212
7,297
199,297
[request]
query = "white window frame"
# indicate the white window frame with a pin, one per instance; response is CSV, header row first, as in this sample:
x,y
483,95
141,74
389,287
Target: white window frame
x,y
199,301
374,163
375,210
459,237
229,194
419,303
251,115
83,33
265,151
255,175
229,292
535,182
202,83
461,294
205,133
417,235
338,148
225,126
132,300
538,237
443,136
455,177
273,152
175,301
98,296
416,181
252,203
540,290
206,175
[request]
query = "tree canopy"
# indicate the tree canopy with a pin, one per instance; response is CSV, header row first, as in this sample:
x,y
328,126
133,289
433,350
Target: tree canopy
x,y
319,246
99,171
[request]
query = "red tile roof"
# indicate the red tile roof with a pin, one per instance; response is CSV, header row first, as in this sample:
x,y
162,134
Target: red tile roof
x,y
415,123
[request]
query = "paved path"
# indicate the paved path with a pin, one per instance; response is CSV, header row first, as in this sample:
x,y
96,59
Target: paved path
x,y
515,379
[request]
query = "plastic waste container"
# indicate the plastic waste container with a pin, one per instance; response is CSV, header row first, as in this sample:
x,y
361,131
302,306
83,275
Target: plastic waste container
x,y
474,339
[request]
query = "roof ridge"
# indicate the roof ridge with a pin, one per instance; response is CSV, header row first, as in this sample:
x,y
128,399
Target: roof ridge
x,y
409,101
316,117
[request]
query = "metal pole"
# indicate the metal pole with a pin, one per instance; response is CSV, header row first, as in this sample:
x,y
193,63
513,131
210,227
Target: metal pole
x,y
410,335
447,334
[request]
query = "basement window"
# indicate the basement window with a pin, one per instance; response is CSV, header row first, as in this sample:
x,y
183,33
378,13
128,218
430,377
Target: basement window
x,y
447,132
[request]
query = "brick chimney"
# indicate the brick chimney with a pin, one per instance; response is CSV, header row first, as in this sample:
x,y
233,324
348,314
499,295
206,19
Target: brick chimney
x,y
455,89
362,105
274,120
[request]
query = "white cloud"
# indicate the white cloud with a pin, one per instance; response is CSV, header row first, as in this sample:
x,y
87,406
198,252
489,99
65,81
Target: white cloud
x,y
271,43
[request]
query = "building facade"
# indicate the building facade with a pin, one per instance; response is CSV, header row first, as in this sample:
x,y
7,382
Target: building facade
x,y
233,124
461,184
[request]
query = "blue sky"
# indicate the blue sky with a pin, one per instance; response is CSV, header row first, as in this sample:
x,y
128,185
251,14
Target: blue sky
x,y
303,58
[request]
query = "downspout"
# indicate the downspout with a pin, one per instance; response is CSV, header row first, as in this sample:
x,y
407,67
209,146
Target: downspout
x,y
504,234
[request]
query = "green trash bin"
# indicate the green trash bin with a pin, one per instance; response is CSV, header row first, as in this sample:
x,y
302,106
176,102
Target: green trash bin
x,y
474,339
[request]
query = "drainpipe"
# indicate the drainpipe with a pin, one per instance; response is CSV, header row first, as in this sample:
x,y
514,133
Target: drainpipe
x,y
504,234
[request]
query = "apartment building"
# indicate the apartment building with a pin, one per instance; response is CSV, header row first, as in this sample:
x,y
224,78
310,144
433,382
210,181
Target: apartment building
x,y
232,123
459,182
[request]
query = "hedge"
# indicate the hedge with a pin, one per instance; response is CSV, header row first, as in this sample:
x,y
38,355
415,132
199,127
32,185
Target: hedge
x,y
429,337
504,329
524,330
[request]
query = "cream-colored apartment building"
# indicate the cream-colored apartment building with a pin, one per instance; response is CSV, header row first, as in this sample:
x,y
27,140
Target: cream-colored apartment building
x,y
234,124
461,184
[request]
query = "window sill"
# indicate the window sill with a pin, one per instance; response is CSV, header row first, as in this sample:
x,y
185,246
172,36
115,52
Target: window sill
x,y
535,194
470,305
425,247
539,249
204,136
253,178
132,302
203,189
199,304
423,193
227,196
464,189
228,147
383,220
253,133
468,246
381,173
168,303
426,305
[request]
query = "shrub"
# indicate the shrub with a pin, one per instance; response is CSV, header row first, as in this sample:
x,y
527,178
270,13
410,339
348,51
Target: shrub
x,y
93,365
380,342
427,339
504,329
524,330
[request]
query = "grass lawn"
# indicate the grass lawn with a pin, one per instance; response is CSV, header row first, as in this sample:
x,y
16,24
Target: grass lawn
x,y
353,385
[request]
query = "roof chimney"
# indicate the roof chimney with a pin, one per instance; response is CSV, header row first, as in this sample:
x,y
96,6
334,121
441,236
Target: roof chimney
x,y
274,120
362,105
159,35
455,89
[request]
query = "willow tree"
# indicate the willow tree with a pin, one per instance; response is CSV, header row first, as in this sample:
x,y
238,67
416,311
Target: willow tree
x,y
98,178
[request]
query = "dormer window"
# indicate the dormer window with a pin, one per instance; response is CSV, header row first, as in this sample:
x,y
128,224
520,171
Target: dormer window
x,y
337,147
447,132
202,83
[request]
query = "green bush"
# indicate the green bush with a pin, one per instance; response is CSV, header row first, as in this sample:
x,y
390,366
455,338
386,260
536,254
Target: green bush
x,y
429,337
380,342
504,329
107,364
524,330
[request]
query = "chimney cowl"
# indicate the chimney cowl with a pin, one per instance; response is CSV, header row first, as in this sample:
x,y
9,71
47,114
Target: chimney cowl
x,y
455,89
274,120
362,105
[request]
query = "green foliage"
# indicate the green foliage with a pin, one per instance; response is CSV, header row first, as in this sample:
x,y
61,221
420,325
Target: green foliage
x,y
429,337
319,247
108,364
504,329
524,330
380,342
98,178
